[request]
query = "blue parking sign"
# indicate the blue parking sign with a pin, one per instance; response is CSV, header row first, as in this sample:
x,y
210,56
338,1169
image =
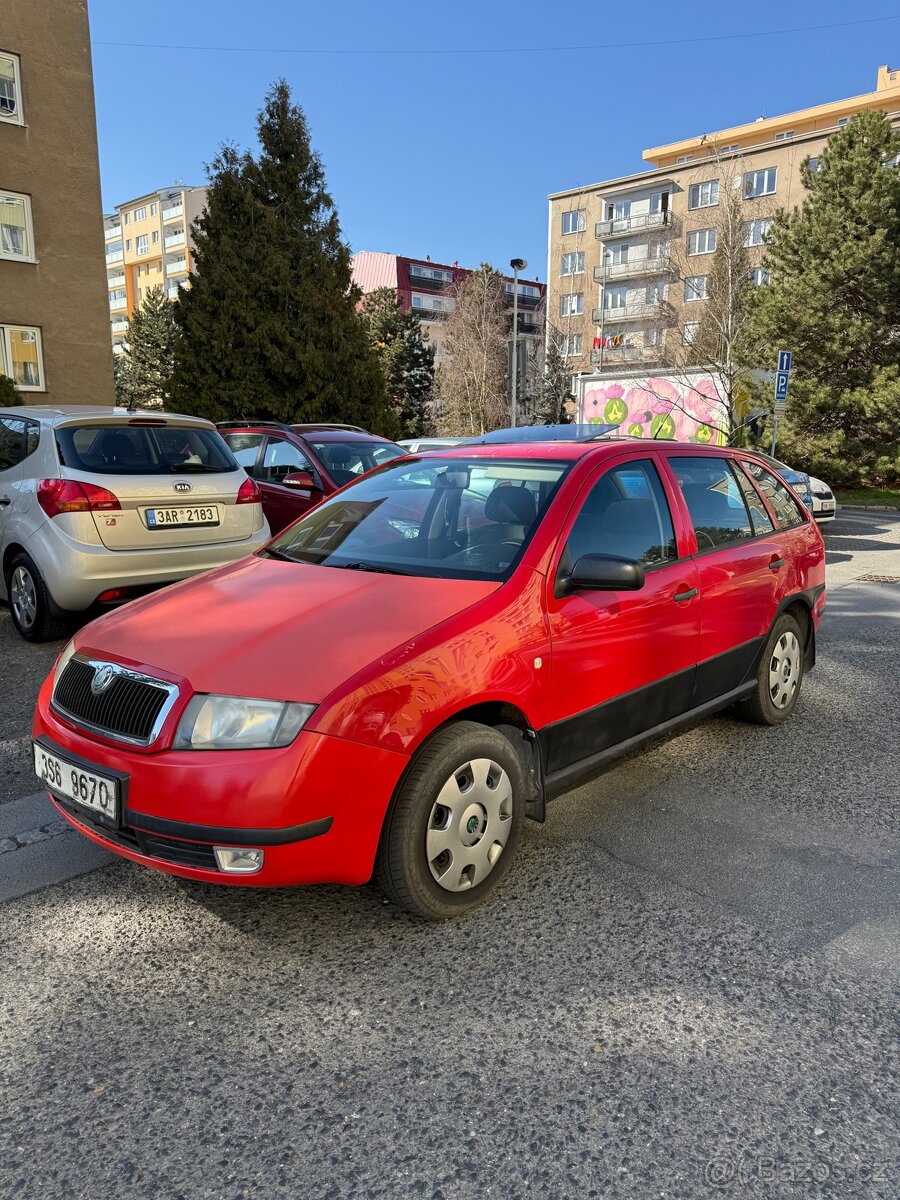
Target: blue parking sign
x,y
784,360
781,385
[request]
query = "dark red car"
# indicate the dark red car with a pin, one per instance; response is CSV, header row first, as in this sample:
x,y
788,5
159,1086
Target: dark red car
x,y
296,465
403,675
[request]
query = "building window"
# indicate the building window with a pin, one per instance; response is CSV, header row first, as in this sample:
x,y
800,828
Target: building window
x,y
695,287
619,252
128,244
703,195
140,214
141,245
689,333
127,218
21,358
784,137
421,272
759,183
701,241
615,297
759,276
528,290
155,237
570,345
154,209
572,305
684,158
651,337
574,221
432,303
572,264
655,293
842,121
757,231
735,146
16,238
621,210
656,201
894,161
10,90
813,165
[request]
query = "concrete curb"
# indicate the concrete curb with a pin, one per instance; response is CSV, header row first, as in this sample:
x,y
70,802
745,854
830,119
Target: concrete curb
x,y
869,507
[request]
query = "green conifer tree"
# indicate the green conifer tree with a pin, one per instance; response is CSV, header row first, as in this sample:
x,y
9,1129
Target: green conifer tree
x,y
269,327
144,373
407,360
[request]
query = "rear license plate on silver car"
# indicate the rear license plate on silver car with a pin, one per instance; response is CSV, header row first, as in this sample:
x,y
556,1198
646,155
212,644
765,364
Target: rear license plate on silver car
x,y
175,518
87,788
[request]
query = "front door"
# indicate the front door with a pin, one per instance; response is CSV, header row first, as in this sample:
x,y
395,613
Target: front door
x,y
622,662
281,504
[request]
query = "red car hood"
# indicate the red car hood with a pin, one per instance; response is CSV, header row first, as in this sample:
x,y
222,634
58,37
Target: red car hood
x,y
282,631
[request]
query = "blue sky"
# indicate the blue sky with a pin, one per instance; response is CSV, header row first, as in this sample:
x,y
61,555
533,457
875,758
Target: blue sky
x,y
453,155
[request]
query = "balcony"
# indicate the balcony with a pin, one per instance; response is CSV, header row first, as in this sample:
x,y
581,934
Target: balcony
x,y
175,239
118,326
620,226
627,312
112,232
115,256
172,291
657,264
169,214
118,348
115,281
617,355
176,266
116,302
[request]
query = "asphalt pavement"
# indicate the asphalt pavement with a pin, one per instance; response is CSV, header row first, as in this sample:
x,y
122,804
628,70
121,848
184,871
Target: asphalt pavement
x,y
688,984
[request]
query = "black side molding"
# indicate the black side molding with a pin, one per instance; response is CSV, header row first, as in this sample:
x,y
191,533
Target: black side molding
x,y
223,836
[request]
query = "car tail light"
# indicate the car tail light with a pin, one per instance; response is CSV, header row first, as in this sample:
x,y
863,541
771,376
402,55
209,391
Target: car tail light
x,y
248,493
112,594
57,496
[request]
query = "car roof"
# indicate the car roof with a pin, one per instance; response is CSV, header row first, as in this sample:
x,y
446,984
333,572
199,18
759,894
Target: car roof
x,y
570,451
59,414
324,434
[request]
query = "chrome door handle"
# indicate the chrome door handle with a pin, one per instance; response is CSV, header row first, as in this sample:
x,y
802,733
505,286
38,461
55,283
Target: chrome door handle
x,y
680,597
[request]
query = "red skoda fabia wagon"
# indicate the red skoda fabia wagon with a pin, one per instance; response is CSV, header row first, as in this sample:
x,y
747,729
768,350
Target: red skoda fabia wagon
x,y
403,675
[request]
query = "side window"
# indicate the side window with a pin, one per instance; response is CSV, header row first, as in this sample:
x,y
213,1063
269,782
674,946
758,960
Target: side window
x,y
12,442
762,522
245,448
715,502
787,511
282,458
625,515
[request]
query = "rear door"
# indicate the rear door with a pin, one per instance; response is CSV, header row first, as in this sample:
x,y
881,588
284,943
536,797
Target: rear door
x,y
623,662
740,559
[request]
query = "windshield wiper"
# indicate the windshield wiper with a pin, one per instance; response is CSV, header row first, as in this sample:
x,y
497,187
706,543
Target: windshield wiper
x,y
179,468
365,566
271,552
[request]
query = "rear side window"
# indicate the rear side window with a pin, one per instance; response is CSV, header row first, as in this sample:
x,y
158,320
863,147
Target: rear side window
x,y
715,501
142,449
12,442
787,511
625,515
762,522
245,448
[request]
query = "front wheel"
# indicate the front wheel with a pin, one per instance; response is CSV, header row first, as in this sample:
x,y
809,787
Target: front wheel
x,y
779,676
452,829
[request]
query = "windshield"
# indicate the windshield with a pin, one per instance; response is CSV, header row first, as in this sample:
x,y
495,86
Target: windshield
x,y
344,461
120,449
459,518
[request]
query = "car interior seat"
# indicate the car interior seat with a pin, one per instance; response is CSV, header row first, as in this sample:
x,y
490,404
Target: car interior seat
x,y
511,512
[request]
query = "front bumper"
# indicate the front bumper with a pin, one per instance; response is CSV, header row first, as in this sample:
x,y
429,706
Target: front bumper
x,y
316,807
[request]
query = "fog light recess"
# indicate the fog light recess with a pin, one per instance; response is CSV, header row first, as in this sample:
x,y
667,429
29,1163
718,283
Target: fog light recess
x,y
239,860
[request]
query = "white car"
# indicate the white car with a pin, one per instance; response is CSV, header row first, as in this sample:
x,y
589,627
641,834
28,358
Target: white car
x,y
824,503
98,505
415,445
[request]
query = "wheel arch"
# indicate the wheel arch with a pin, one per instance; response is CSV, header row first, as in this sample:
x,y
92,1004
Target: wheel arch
x,y
800,607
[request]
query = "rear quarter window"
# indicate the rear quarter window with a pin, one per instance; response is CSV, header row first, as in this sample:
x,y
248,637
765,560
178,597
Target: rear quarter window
x,y
788,512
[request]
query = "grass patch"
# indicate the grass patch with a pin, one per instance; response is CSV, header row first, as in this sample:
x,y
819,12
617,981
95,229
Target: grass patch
x,y
889,495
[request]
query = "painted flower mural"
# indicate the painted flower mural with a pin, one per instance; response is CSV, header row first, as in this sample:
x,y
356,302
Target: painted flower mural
x,y
687,408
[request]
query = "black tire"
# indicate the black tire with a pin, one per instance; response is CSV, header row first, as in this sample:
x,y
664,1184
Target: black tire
x,y
40,623
768,705
403,868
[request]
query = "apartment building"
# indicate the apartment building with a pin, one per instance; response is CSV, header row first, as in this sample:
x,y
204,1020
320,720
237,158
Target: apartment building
x,y
629,258
53,316
427,288
148,245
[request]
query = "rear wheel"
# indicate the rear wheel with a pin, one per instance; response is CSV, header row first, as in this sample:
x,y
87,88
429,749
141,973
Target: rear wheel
x,y
453,826
30,604
779,676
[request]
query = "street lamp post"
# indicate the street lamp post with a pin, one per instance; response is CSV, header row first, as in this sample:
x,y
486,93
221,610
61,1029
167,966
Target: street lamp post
x,y
604,259
517,264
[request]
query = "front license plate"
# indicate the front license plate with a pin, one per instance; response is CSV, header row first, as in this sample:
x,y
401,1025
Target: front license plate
x,y
176,518
827,506
88,788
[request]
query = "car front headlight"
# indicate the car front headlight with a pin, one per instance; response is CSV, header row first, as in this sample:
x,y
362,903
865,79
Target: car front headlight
x,y
62,662
239,723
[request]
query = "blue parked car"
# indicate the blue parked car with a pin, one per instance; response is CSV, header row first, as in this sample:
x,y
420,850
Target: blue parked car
x,y
799,480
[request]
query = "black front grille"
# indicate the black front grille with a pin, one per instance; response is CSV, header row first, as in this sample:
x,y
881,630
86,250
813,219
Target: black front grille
x,y
127,708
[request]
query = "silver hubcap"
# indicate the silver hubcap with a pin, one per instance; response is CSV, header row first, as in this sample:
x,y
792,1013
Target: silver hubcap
x,y
469,825
23,597
784,670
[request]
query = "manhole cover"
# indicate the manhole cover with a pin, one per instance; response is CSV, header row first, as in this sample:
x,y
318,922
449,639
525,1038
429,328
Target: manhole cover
x,y
878,579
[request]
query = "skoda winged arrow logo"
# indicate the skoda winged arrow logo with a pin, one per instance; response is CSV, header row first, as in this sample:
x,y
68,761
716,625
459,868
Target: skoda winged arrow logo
x,y
103,677
182,486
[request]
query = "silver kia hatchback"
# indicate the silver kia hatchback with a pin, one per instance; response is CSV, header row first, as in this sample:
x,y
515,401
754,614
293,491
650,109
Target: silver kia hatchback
x,y
98,505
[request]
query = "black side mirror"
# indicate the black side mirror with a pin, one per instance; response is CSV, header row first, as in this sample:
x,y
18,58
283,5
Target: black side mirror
x,y
601,573
301,479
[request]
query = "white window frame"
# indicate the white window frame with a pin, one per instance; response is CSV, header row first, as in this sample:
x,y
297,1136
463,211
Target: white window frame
x,y
759,277
154,209
126,218
784,137
842,121
140,214
6,358
578,225
753,226
651,337
696,287
17,117
619,294
570,345
138,247
704,194
683,158
696,235
572,304
30,257
751,191
814,163
577,265
154,239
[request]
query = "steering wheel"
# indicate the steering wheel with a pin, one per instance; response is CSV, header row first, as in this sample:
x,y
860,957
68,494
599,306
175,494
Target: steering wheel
x,y
483,554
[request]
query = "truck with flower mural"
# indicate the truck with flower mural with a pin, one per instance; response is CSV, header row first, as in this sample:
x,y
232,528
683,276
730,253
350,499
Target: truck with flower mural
x,y
688,406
